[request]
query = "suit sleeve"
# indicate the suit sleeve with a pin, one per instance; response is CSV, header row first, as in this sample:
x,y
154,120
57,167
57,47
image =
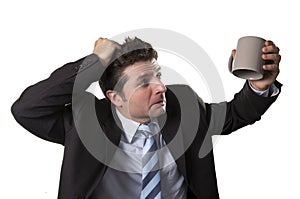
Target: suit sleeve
x,y
45,108
246,108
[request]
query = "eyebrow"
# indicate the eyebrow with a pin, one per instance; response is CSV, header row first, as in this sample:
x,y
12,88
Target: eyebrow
x,y
157,67
156,70
145,75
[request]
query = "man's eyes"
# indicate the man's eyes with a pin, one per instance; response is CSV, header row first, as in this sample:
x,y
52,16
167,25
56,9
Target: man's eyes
x,y
145,82
158,75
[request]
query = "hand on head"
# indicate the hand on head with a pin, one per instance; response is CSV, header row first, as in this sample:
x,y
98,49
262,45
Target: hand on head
x,y
105,49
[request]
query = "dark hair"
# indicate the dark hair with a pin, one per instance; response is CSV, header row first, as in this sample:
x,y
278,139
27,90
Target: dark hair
x,y
131,51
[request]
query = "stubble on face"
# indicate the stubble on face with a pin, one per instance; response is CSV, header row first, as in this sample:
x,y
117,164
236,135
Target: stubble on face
x,y
144,93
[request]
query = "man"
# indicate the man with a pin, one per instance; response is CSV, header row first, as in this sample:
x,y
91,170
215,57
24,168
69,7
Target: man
x,y
108,162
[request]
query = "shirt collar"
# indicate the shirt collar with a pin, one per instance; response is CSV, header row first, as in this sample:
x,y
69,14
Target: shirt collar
x,y
129,126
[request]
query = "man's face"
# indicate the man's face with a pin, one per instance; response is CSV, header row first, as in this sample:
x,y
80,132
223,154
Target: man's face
x,y
143,92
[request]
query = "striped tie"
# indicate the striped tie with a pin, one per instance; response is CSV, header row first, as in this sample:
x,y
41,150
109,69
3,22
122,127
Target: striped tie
x,y
150,173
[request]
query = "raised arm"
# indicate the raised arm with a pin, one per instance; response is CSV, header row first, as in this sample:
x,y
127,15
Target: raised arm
x,y
45,108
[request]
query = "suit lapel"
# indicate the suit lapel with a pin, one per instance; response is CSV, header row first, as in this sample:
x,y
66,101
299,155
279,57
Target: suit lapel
x,y
172,132
111,126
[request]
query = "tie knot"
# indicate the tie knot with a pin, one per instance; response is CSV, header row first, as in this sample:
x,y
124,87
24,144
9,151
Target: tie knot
x,y
144,131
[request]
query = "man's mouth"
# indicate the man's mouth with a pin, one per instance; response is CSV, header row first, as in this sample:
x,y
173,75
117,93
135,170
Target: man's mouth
x,y
159,102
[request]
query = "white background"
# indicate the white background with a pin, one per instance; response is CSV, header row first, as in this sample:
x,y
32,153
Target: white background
x,y
258,161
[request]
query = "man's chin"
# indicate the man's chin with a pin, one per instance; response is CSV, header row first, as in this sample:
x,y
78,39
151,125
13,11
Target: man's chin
x,y
157,110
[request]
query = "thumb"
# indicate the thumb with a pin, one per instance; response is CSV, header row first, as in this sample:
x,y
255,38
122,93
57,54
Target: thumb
x,y
233,52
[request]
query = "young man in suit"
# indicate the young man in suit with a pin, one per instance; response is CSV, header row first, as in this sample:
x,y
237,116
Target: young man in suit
x,y
103,155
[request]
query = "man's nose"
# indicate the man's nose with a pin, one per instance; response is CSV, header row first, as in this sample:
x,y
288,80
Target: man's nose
x,y
159,87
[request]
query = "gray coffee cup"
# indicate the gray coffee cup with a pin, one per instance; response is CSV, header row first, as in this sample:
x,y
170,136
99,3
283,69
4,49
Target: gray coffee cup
x,y
248,63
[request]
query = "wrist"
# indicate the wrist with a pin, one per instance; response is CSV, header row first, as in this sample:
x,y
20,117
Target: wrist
x,y
259,87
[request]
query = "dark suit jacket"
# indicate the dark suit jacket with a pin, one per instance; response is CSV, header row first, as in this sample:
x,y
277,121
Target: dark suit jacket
x,y
45,109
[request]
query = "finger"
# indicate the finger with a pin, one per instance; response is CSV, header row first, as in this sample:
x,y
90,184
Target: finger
x,y
118,46
271,67
233,52
269,43
273,57
278,59
271,49
99,41
110,42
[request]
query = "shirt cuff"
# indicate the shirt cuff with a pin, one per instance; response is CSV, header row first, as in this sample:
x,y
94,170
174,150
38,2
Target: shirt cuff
x,y
271,91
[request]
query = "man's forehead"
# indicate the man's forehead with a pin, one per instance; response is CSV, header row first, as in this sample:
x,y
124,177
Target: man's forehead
x,y
142,68
138,72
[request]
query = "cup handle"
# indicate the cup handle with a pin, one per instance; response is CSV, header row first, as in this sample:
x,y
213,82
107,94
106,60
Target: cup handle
x,y
230,62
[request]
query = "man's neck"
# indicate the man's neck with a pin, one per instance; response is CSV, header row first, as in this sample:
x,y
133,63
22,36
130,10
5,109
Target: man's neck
x,y
141,120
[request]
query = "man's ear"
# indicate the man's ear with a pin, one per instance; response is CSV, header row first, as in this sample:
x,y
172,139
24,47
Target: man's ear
x,y
114,97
